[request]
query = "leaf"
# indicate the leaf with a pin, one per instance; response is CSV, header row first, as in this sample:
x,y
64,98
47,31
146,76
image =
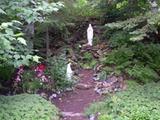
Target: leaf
x,y
2,11
16,56
9,31
36,58
19,34
22,40
6,24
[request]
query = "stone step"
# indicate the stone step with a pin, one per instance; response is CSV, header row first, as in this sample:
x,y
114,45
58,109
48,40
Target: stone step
x,y
82,86
71,114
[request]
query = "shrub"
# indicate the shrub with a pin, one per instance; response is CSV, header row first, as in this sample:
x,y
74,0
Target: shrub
x,y
119,56
26,107
57,71
142,73
119,38
6,72
148,54
136,103
88,60
140,61
30,83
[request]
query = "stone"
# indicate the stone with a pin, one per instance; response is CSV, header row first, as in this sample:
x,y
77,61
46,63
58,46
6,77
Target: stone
x,y
82,86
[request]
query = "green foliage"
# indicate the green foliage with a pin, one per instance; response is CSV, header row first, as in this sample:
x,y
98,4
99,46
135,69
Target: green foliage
x,y
29,11
6,72
30,83
136,103
26,107
148,54
80,9
142,73
88,61
140,61
121,56
57,67
114,10
13,47
118,39
138,27
105,117
87,56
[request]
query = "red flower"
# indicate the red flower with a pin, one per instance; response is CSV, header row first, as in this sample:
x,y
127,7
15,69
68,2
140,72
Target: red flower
x,y
40,67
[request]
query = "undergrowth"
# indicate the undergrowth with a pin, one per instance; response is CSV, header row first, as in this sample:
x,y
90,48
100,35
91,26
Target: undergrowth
x,y
140,61
26,107
57,67
136,103
88,61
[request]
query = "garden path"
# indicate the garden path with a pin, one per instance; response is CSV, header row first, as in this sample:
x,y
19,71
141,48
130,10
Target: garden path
x,y
73,104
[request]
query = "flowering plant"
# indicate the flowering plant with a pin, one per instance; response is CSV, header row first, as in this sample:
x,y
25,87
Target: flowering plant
x,y
39,70
32,79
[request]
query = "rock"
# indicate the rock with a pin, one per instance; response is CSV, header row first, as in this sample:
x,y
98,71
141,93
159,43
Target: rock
x,y
112,84
92,117
71,114
69,89
52,96
82,86
44,95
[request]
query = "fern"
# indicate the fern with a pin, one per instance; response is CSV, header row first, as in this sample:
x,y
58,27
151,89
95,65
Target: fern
x,y
138,27
142,73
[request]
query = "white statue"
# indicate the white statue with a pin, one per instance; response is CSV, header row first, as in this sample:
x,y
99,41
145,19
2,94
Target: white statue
x,y
69,72
90,35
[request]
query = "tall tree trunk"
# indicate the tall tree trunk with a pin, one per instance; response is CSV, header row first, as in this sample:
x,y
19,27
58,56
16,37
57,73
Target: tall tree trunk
x,y
30,32
47,43
47,40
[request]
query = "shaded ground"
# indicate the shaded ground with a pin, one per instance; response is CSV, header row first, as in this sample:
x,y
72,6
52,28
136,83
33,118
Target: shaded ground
x,y
72,104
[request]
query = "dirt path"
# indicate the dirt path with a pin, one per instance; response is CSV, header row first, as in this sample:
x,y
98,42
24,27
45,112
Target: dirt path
x,y
72,104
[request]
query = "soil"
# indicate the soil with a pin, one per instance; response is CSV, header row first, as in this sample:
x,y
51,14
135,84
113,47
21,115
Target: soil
x,y
73,103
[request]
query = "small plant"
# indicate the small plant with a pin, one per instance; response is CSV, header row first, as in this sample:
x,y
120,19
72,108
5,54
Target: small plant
x,y
27,107
32,79
140,61
142,73
118,39
105,117
136,103
57,67
88,60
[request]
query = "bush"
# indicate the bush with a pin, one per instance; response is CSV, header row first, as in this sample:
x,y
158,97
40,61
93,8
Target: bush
x,y
119,56
88,61
140,61
136,103
30,83
142,73
6,72
57,67
148,54
26,107
119,38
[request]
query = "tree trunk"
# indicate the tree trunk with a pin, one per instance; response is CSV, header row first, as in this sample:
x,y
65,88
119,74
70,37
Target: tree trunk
x,y
30,32
47,42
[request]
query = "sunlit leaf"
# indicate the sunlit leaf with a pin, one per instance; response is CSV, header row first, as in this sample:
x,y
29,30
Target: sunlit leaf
x,y
22,40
